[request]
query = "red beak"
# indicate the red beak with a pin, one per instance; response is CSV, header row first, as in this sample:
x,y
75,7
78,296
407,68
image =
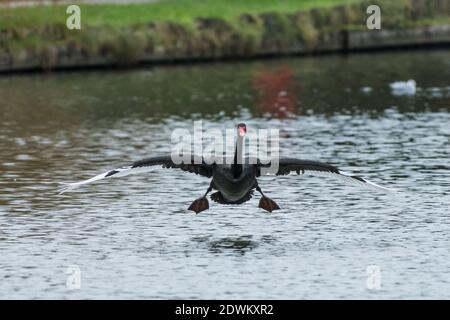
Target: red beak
x,y
242,131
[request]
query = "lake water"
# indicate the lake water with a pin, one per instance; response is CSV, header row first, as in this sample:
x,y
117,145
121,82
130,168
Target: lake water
x,y
134,238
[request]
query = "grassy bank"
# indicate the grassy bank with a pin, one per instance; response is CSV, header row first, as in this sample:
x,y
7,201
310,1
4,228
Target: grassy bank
x,y
180,11
37,37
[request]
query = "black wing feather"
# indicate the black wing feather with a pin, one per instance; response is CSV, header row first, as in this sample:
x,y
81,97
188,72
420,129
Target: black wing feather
x,y
288,165
202,168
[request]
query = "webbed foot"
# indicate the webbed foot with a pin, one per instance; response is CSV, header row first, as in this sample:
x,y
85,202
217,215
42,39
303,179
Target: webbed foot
x,y
268,204
199,205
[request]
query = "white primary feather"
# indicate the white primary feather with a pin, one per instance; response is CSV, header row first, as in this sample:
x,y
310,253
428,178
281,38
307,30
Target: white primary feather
x,y
121,172
365,183
346,177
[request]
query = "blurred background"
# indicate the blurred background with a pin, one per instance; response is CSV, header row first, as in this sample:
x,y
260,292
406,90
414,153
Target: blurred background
x,y
50,35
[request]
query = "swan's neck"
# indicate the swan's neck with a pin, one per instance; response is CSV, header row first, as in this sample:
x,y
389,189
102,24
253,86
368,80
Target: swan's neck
x,y
237,163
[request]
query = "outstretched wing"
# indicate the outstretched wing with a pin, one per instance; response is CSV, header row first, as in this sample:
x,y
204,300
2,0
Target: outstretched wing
x,y
200,167
295,166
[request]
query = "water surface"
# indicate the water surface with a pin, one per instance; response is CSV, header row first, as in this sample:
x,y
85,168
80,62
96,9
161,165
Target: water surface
x,y
134,238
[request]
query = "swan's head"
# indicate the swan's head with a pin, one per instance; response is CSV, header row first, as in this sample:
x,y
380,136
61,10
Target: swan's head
x,y
241,129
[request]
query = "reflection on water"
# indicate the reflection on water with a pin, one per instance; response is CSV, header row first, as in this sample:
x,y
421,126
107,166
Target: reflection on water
x,y
276,90
239,244
134,238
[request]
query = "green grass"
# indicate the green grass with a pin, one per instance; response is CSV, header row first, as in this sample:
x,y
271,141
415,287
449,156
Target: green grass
x,y
123,33
183,11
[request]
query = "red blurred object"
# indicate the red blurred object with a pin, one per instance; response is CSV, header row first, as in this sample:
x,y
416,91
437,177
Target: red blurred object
x,y
275,88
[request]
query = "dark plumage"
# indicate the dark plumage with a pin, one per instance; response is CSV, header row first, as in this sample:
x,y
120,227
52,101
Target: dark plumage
x,y
235,181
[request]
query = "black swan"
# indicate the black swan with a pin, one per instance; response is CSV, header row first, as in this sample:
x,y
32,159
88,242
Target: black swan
x,y
235,182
